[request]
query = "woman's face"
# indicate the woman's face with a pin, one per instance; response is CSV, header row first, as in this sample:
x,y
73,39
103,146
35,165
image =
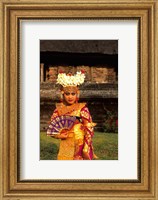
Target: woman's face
x,y
70,97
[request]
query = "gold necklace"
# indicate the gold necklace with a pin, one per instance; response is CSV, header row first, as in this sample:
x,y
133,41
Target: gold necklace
x,y
63,109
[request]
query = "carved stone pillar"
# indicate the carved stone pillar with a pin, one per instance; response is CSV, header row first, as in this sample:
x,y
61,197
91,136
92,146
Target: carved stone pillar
x,y
42,72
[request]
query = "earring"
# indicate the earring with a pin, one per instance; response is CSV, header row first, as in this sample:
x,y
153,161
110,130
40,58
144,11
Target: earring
x,y
61,97
77,98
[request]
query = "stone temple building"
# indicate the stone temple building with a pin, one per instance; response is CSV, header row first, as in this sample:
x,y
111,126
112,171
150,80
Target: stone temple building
x,y
99,58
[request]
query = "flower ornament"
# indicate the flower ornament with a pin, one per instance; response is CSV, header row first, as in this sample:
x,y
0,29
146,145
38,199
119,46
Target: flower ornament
x,y
71,80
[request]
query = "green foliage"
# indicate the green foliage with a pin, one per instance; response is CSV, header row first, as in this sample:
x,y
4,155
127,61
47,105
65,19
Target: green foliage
x,y
105,146
111,122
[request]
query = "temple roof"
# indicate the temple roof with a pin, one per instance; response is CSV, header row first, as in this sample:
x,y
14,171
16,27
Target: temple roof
x,y
80,46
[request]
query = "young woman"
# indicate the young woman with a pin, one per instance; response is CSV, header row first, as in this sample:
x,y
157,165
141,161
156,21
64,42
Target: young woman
x,y
76,142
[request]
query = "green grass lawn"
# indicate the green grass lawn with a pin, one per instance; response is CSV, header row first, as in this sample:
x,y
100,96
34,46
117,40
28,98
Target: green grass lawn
x,y
105,146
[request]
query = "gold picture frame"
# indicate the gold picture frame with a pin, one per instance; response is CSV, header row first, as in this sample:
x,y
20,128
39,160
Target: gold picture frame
x,y
145,11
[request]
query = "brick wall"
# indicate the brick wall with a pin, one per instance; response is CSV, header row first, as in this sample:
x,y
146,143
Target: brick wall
x,y
94,74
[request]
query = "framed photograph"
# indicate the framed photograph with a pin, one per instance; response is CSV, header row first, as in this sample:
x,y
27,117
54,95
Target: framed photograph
x,y
97,62
79,100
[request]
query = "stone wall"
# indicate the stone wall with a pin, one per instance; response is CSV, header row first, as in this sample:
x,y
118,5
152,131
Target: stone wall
x,y
99,68
94,74
100,61
100,98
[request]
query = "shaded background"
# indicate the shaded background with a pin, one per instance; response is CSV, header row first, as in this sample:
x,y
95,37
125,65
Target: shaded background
x,y
100,60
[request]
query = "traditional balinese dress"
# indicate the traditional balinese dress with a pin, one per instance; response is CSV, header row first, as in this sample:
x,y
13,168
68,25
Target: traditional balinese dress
x,y
78,144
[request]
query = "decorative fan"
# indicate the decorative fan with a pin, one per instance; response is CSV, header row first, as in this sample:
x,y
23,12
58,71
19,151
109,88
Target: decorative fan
x,y
61,123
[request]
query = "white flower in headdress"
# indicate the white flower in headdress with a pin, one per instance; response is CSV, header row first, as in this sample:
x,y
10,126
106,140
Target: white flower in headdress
x,y
71,80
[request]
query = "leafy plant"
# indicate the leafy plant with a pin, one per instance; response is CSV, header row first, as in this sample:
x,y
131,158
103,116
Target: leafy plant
x,y
111,121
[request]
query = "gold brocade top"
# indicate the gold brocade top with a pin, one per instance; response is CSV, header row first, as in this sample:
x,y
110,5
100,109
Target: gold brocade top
x,y
72,110
78,143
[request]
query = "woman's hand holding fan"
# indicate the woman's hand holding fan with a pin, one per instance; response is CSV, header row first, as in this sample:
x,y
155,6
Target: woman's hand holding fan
x,y
60,126
62,135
